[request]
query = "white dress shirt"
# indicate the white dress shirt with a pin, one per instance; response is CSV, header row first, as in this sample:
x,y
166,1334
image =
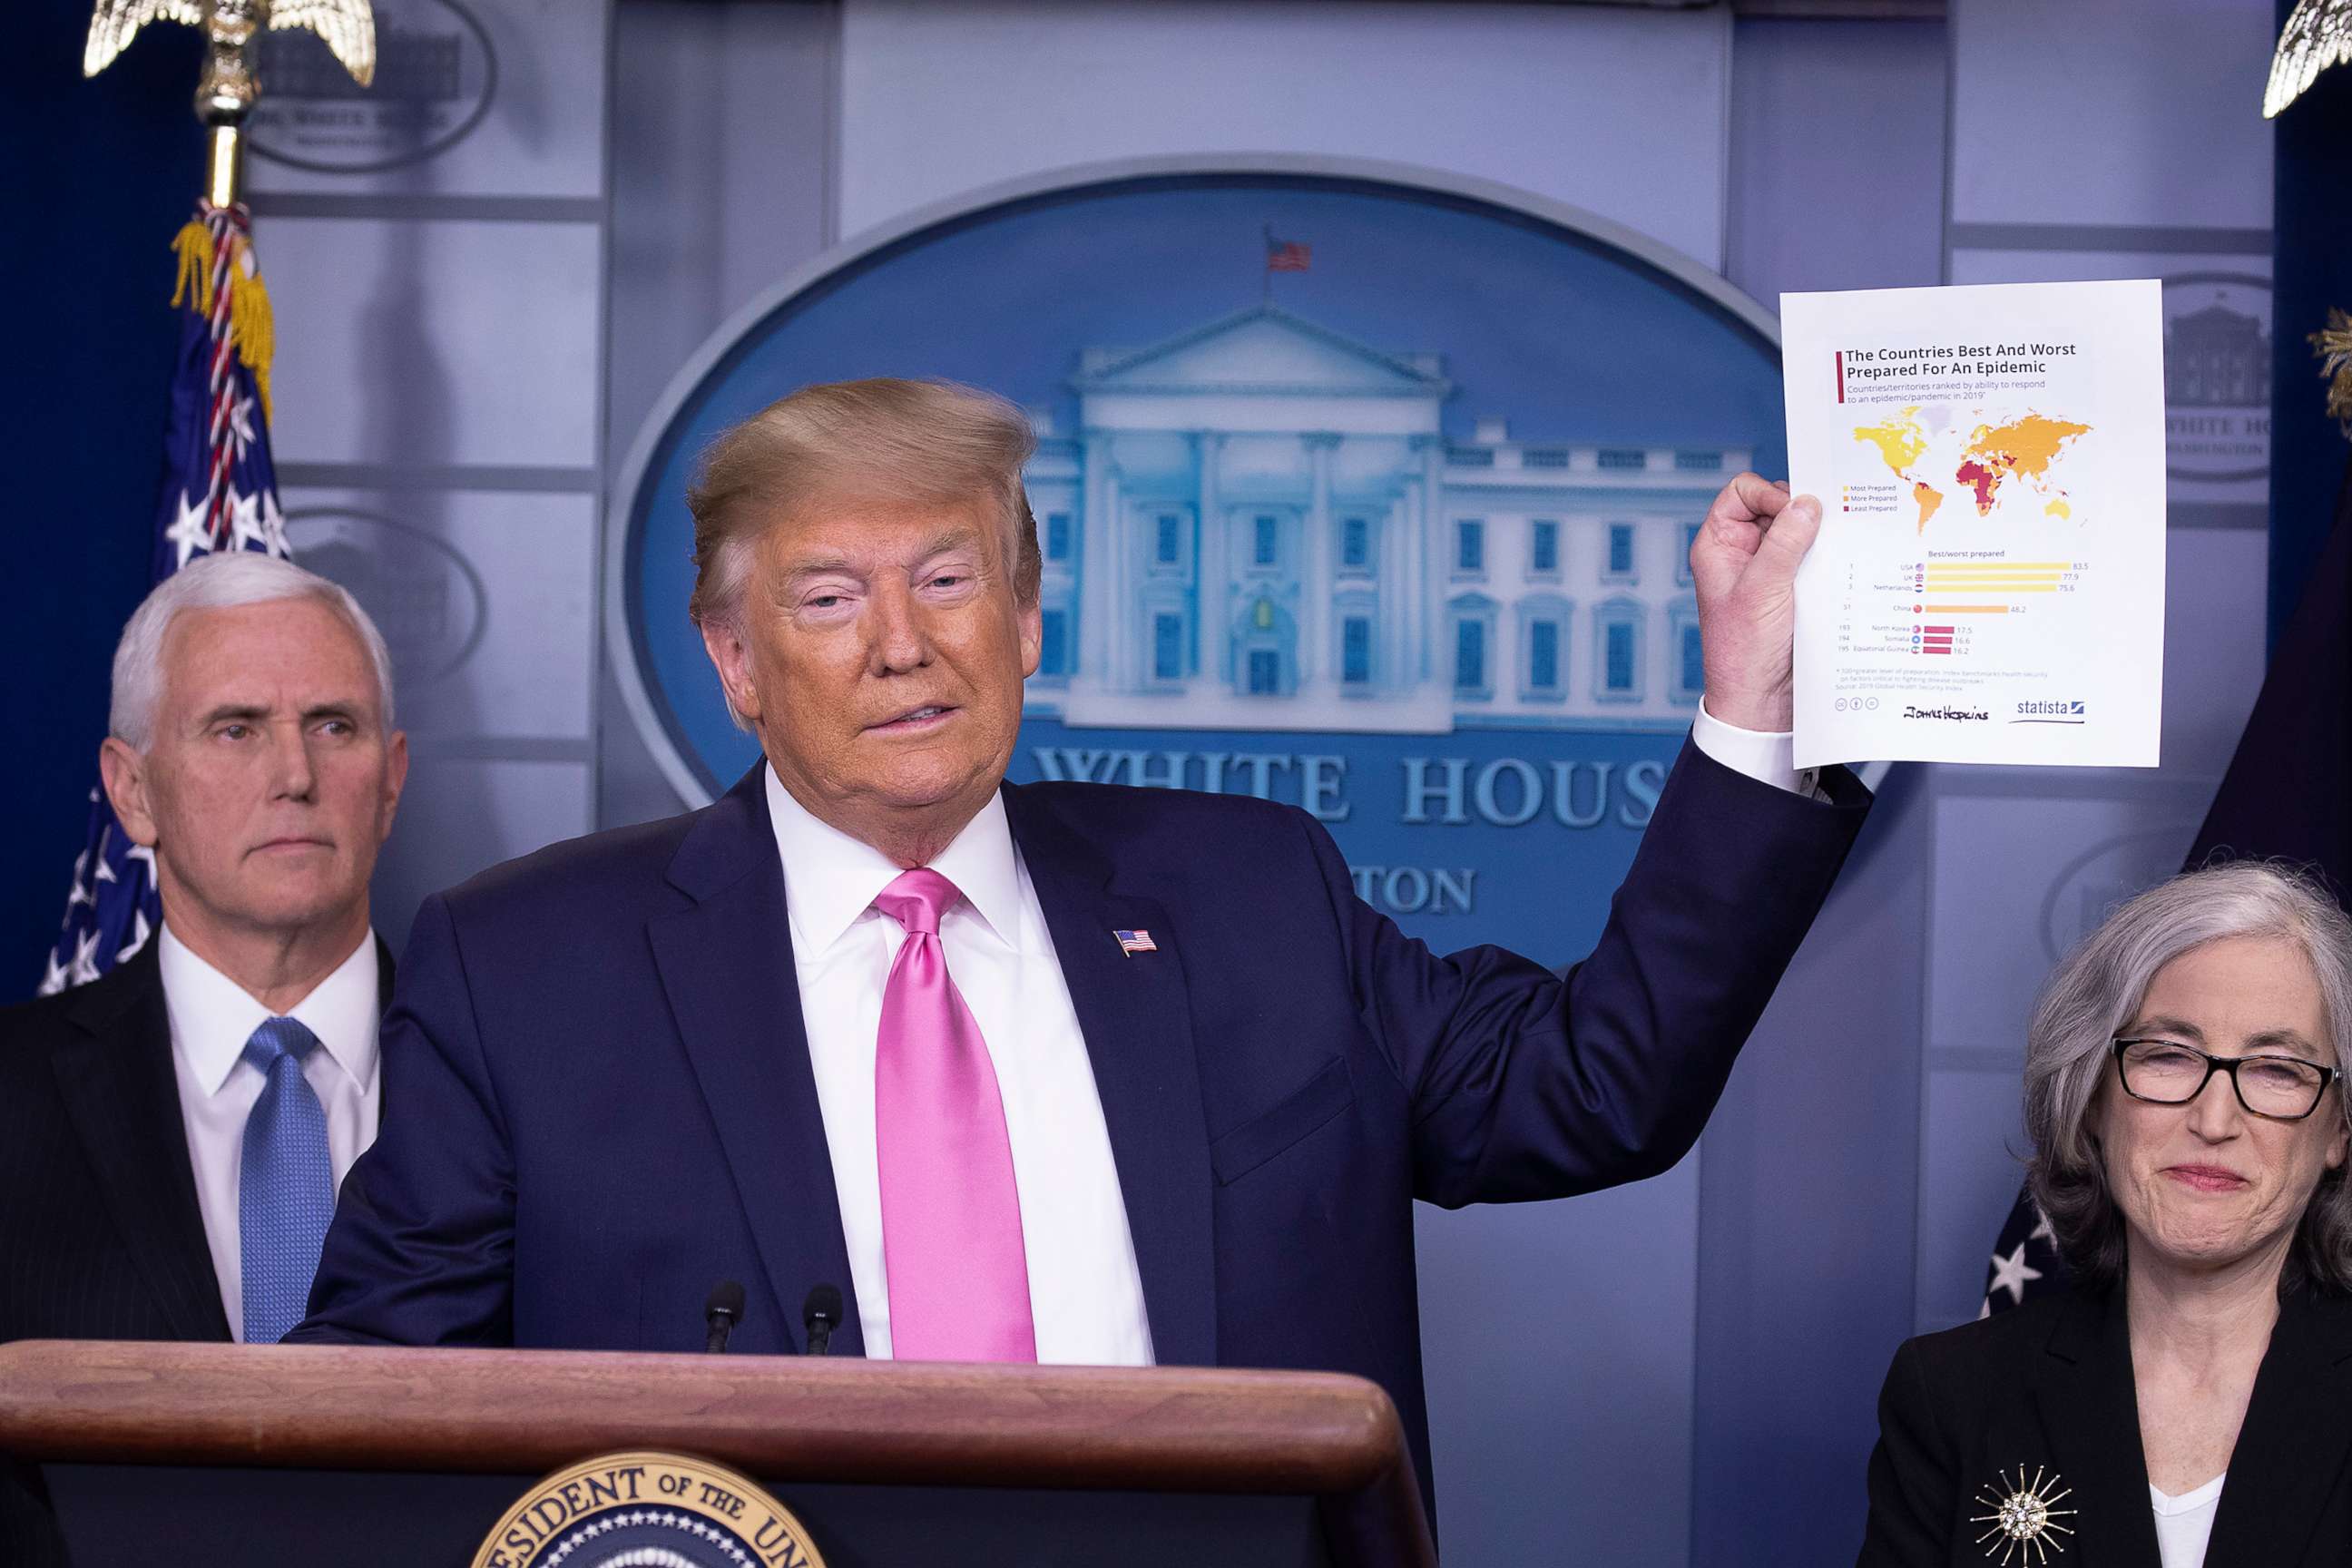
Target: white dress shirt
x,y
1769,756
212,1019
2185,1523
1086,1293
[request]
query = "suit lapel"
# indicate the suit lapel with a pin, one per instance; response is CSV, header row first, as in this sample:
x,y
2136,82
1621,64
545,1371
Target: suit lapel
x,y
114,1073
1137,1022
726,965
2289,1459
2081,1391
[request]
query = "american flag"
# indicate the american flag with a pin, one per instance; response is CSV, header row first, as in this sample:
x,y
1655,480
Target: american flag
x,y
1286,255
219,492
1131,943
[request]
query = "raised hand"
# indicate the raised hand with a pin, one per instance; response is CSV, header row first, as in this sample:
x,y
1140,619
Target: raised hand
x,y
1744,564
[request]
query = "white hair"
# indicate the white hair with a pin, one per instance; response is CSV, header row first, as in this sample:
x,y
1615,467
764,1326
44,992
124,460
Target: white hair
x,y
221,581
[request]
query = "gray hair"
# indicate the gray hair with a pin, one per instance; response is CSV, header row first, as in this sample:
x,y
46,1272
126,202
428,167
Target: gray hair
x,y
221,581
878,439
2095,992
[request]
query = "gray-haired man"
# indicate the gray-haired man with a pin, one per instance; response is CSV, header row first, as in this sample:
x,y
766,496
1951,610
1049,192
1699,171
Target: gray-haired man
x,y
172,1134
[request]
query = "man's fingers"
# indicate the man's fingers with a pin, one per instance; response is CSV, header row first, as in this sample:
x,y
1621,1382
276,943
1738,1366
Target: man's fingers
x,y
1791,533
1751,497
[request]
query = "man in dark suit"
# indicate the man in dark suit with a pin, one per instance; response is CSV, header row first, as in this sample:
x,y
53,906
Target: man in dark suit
x,y
227,1068
1122,1075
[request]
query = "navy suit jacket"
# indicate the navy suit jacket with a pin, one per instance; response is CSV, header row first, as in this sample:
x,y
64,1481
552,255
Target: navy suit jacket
x,y
607,1104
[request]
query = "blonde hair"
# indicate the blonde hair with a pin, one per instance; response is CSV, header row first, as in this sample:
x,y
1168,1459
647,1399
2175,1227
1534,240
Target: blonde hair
x,y
884,439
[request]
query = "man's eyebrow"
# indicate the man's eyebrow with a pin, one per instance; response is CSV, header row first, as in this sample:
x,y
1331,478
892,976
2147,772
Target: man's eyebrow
x,y
226,711
817,565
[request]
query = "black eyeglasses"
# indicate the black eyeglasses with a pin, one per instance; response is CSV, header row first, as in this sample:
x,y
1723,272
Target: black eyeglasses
x,y
2167,1072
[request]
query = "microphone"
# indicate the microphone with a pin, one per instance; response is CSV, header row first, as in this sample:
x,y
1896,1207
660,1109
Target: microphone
x,y
721,1313
820,1315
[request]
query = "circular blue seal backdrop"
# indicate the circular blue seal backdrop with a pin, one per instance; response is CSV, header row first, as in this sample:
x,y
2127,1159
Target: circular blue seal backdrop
x,y
1365,494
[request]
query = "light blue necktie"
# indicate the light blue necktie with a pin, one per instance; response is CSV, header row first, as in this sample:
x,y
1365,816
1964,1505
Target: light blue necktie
x,y
286,1192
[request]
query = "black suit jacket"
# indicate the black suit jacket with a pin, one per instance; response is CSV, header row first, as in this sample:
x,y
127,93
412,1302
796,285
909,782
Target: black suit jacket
x,y
101,1238
2048,1387
607,1101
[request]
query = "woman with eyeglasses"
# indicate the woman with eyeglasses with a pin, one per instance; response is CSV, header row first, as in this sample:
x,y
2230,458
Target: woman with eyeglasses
x,y
2189,1401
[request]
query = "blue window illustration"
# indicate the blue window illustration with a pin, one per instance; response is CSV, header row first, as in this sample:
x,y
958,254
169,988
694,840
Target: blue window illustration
x,y
1167,648
1543,655
1470,546
1057,536
1470,656
1621,550
1682,562
1620,657
1264,554
1264,672
1355,650
1169,528
1054,650
1356,543
1543,552
1694,666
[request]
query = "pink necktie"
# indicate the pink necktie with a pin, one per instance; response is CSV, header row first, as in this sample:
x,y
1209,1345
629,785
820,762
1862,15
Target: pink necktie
x,y
950,1213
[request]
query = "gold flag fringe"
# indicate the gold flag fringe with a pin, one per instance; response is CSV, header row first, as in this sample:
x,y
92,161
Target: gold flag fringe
x,y
253,330
2333,346
193,244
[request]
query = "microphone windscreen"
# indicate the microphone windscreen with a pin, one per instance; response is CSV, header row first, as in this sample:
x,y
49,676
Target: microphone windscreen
x,y
727,1298
824,1301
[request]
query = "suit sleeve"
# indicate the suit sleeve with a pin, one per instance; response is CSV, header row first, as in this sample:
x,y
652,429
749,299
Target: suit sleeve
x,y
1911,1471
1525,1085
421,1250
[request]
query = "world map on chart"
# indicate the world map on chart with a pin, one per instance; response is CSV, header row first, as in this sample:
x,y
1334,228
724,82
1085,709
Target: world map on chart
x,y
1938,456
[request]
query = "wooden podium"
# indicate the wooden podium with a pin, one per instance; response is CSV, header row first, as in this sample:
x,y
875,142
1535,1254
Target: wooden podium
x,y
209,1454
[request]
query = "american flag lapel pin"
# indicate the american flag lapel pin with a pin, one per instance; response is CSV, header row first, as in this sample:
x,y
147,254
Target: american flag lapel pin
x,y
1131,943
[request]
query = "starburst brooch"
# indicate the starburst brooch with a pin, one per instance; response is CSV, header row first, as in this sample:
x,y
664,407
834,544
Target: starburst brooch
x,y
2023,1524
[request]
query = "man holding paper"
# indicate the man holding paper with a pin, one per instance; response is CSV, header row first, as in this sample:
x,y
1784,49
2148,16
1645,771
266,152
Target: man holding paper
x,y
1059,1072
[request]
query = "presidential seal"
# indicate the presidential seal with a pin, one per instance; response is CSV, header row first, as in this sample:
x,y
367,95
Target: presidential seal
x,y
647,1511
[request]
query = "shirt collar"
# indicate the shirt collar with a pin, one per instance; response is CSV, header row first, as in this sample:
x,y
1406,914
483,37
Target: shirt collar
x,y
213,1017
831,879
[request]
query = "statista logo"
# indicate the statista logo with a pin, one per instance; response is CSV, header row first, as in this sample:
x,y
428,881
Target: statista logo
x,y
2064,711
1965,715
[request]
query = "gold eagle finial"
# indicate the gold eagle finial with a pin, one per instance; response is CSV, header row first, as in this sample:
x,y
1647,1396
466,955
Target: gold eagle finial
x,y
347,26
2318,34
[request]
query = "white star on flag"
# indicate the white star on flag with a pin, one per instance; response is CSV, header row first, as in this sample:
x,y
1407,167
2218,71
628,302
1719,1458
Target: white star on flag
x,y
188,532
84,961
244,521
240,423
2011,1274
273,527
140,932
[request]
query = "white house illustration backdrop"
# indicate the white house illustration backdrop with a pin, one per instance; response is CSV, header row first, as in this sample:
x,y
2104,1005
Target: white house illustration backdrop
x,y
1259,524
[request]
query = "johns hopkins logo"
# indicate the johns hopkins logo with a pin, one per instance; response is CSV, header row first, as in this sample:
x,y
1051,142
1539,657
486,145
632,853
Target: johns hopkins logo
x,y
647,1511
1368,495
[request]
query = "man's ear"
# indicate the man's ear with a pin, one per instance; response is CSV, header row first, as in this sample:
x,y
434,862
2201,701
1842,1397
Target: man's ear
x,y
396,777
730,655
1032,638
124,773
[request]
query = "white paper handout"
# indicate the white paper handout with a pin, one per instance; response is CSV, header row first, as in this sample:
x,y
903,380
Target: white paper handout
x,y
1989,582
